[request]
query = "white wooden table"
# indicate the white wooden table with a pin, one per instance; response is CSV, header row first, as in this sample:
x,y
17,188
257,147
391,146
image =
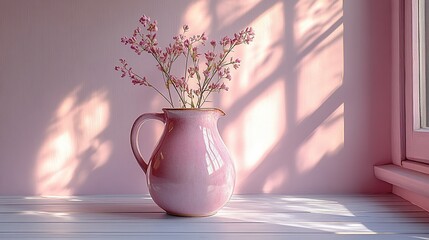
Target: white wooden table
x,y
244,217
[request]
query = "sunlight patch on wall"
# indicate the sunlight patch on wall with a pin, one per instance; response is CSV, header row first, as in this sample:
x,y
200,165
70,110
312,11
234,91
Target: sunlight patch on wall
x,y
264,58
257,130
326,139
198,17
231,11
274,180
256,93
73,146
319,39
314,18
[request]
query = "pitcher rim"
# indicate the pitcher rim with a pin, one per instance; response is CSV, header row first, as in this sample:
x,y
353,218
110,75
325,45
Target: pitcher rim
x,y
195,109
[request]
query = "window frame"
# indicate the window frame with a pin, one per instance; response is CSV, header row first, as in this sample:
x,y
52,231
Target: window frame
x,y
417,138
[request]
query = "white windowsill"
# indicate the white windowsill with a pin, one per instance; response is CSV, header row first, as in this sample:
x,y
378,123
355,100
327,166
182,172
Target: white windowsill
x,y
408,179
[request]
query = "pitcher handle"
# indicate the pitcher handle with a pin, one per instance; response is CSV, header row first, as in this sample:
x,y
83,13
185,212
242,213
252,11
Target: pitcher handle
x,y
135,134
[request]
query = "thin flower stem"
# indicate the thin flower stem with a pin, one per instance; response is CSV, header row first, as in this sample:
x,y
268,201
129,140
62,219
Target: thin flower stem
x,y
150,85
181,94
206,82
165,77
186,63
205,98
166,74
171,103
211,90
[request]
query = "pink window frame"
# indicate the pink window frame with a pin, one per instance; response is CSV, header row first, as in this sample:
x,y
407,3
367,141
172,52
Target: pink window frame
x,y
416,139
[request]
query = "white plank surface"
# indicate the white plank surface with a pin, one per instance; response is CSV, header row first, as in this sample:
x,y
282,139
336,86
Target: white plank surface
x,y
244,217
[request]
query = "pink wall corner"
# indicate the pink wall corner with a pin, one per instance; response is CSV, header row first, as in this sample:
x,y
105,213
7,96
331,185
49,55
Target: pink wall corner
x,y
307,112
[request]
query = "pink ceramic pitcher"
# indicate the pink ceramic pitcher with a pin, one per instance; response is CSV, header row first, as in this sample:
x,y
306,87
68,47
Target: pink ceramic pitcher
x,y
190,172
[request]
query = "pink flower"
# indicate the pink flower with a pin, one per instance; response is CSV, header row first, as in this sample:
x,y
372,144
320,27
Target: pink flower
x,y
197,92
225,41
236,63
179,82
192,71
216,87
220,74
206,73
121,69
153,27
226,70
224,87
137,31
137,81
186,43
195,54
250,35
145,20
210,56
132,40
244,36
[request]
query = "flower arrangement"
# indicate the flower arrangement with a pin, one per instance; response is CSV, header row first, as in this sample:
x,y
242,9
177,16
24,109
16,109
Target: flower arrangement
x,y
201,76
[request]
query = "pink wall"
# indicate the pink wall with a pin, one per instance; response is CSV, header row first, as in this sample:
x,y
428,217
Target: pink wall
x,y
308,112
